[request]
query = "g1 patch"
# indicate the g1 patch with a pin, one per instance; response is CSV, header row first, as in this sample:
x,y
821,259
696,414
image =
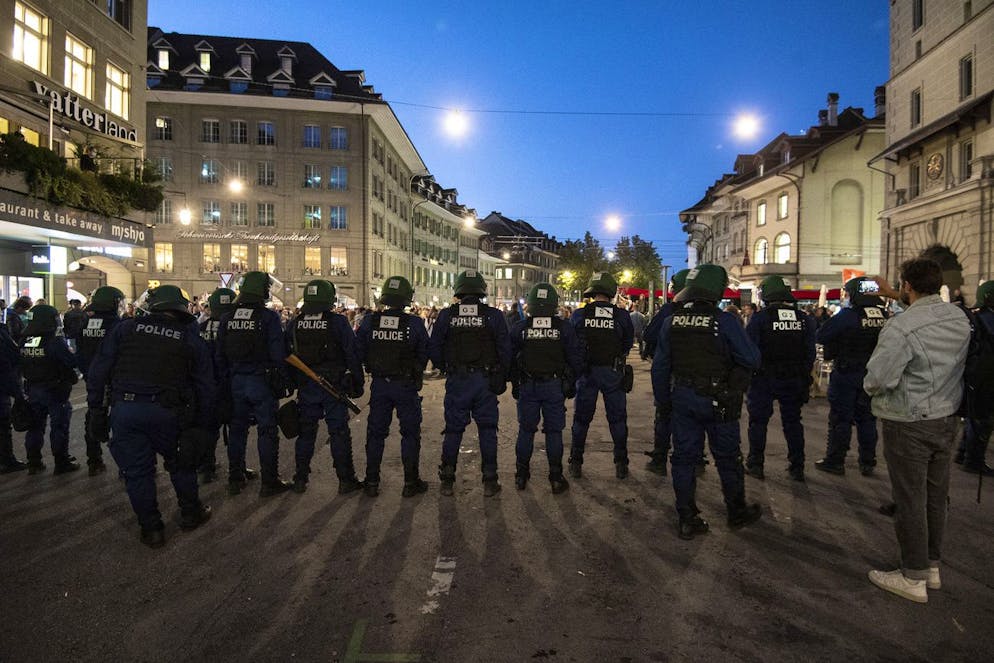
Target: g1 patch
x,y
393,284
542,323
467,309
389,322
787,314
312,290
33,342
243,314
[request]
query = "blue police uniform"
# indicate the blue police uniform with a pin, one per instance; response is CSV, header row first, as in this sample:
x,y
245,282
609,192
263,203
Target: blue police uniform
x,y
160,378
88,340
470,342
849,338
546,351
606,336
250,356
973,447
699,352
393,345
49,371
212,421
662,425
9,388
326,344
785,337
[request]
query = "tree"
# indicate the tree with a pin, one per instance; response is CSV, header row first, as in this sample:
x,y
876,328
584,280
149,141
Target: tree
x,y
578,260
635,255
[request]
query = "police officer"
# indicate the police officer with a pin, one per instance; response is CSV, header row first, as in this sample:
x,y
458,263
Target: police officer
x,y
49,371
250,357
701,369
980,416
546,362
849,338
220,302
786,340
103,314
325,342
606,336
661,426
161,383
471,345
394,347
10,387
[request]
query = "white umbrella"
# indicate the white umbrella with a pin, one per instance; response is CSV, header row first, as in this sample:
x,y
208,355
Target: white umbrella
x,y
823,295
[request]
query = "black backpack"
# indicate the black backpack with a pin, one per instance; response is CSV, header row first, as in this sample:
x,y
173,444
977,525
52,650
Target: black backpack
x,y
978,378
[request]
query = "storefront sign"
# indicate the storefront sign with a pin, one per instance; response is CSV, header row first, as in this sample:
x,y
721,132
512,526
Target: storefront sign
x,y
49,259
18,208
249,236
65,104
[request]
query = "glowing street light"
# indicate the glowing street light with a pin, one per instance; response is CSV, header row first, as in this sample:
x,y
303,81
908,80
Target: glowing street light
x,y
610,255
626,276
746,126
613,223
468,221
184,216
236,186
506,255
455,123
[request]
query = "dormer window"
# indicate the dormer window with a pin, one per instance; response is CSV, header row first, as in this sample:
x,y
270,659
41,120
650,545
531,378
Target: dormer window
x,y
163,59
322,92
286,64
246,61
785,156
205,61
761,169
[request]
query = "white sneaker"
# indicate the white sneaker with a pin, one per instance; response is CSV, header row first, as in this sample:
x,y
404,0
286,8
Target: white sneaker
x,y
934,580
897,583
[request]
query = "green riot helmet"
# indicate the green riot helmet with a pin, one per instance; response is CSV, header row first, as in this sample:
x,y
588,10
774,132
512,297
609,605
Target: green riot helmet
x,y
42,319
253,288
106,298
470,282
319,296
678,280
775,289
985,295
168,298
221,301
397,292
601,283
704,283
860,294
543,300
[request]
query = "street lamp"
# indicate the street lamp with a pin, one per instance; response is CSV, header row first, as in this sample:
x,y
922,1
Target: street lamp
x,y
626,276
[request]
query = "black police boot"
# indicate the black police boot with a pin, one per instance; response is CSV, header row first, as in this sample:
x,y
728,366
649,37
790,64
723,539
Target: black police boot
x,y
447,477
866,469
191,519
826,465
12,465
299,483
348,484
692,525
621,469
95,467
65,465
576,468
236,482
154,537
796,472
413,483
8,463
743,514
490,486
755,470
521,476
35,466
556,480
371,488
251,475
208,473
271,488
657,462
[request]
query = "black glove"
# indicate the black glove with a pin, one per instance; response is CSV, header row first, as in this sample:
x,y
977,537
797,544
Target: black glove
x,y
516,390
355,384
664,410
98,424
279,383
569,386
628,379
498,382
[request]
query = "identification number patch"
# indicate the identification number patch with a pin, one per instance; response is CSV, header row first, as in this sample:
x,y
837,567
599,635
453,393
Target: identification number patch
x,y
874,312
94,323
787,314
542,323
389,322
468,309
243,314
603,312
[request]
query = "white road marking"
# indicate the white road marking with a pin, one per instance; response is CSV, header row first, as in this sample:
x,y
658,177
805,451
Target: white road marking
x,y
441,583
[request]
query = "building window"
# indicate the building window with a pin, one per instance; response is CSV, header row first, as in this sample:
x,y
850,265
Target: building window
x,y
338,139
205,61
164,256
966,77
239,214
163,129
312,261
781,249
916,107
914,181
210,171
239,257
163,59
265,173
312,176
212,213
338,218
164,215
782,206
30,37
266,214
761,213
212,257
965,160
265,133
78,75
760,251
164,167
312,135
917,14
120,11
238,132
339,178
312,217
267,258
210,131
31,137
238,171
118,94
339,262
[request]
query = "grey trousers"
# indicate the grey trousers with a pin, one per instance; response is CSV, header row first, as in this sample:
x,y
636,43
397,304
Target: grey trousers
x,y
918,455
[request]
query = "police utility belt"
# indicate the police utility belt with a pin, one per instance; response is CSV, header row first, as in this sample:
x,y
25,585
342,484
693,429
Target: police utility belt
x,y
471,369
166,399
703,385
541,377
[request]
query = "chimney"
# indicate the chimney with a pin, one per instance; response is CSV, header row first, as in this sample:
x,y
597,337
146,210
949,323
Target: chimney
x,y
833,109
822,118
880,100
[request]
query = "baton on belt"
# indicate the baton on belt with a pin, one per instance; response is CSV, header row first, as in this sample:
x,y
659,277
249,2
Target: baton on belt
x,y
337,394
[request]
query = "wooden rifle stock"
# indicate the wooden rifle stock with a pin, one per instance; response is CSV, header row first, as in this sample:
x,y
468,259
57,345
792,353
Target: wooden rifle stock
x,y
295,361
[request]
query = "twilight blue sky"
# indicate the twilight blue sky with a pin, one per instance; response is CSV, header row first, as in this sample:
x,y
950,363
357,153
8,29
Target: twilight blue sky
x,y
566,172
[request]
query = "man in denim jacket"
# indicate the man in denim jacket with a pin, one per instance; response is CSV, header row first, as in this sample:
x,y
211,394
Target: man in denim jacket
x,y
915,377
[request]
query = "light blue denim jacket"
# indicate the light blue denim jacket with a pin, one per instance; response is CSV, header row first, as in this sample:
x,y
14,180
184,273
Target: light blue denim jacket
x,y
916,371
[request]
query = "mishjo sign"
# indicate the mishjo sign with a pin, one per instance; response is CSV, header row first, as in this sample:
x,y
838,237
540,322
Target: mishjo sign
x,y
69,106
18,208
